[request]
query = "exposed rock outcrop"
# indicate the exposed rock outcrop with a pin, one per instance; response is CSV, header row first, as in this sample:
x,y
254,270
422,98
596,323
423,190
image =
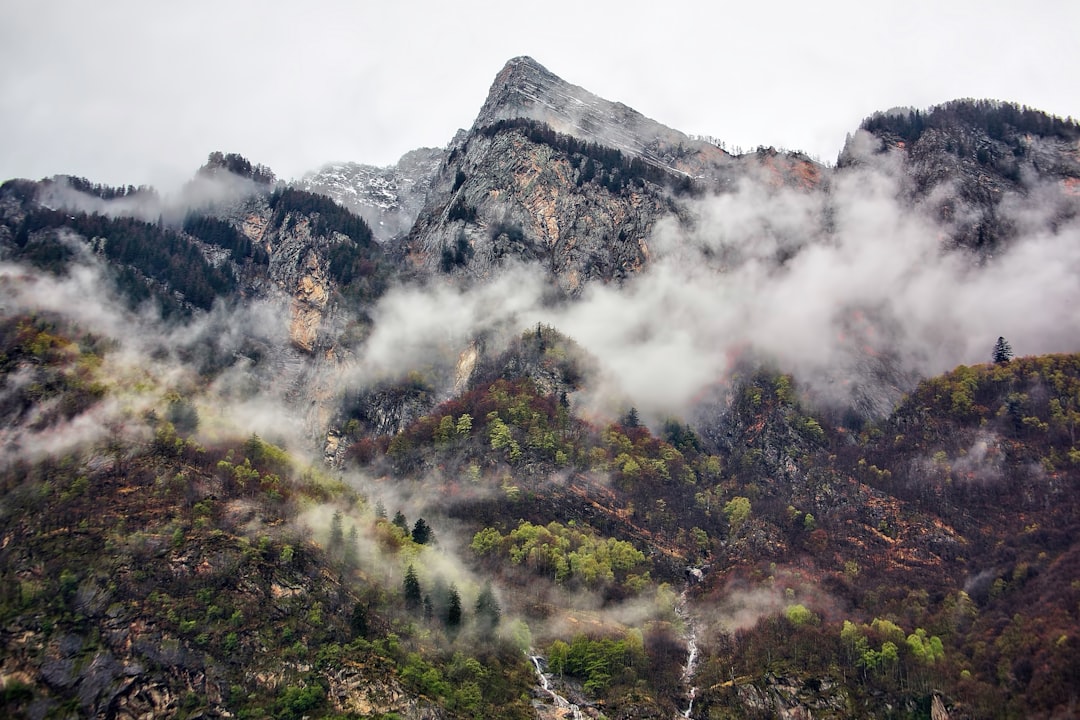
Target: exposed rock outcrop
x,y
388,198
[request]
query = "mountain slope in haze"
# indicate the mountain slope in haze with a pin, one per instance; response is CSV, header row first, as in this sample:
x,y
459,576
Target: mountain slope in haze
x,y
971,159
624,421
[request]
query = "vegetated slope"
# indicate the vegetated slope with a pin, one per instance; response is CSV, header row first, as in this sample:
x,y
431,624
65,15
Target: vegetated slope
x,y
944,565
236,245
163,577
923,561
928,560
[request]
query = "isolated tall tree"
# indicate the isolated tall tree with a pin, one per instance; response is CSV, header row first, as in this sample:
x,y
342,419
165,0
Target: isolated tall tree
x,y
1003,352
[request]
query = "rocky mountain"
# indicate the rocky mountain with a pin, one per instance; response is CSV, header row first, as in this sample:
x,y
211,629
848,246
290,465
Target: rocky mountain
x,y
553,174
388,198
600,421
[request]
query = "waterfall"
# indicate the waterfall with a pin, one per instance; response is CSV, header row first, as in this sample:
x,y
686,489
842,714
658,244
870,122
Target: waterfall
x,y
545,685
690,669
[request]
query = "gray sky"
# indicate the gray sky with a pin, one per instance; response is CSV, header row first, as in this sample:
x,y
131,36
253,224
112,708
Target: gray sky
x,y
129,91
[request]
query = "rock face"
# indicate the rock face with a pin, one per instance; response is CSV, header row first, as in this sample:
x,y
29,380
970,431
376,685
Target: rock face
x,y
526,89
508,197
552,174
388,198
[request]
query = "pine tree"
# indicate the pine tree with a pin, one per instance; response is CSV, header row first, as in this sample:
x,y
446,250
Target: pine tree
x,y
421,532
1003,352
488,611
337,534
411,587
453,607
350,557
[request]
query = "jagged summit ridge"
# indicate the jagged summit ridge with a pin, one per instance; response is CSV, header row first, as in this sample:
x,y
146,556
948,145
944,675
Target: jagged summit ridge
x,y
526,89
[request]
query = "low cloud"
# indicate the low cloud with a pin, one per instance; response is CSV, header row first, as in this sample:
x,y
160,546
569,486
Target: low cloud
x,y
853,288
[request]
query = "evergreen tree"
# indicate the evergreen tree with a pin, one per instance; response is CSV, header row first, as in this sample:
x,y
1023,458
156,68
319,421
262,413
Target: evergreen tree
x,y
488,611
421,532
337,534
453,607
350,557
411,587
1003,352
400,521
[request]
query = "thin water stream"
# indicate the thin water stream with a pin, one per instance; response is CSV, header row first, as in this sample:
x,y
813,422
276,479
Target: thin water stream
x,y
545,684
690,634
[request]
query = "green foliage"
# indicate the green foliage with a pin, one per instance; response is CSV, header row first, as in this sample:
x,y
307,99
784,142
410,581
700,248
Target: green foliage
x,y
237,165
460,210
452,616
737,511
488,611
800,615
1003,352
599,662
61,370
571,555
296,702
459,254
182,414
993,117
927,650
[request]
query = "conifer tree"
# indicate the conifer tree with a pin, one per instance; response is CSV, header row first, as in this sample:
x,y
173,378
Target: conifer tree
x,y
453,607
488,611
1003,352
421,532
411,587
350,557
337,533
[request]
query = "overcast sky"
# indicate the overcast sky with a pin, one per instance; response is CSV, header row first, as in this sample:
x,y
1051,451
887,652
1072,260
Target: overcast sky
x,y
133,92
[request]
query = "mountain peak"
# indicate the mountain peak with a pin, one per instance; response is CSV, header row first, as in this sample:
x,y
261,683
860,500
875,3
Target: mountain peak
x,y
521,89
